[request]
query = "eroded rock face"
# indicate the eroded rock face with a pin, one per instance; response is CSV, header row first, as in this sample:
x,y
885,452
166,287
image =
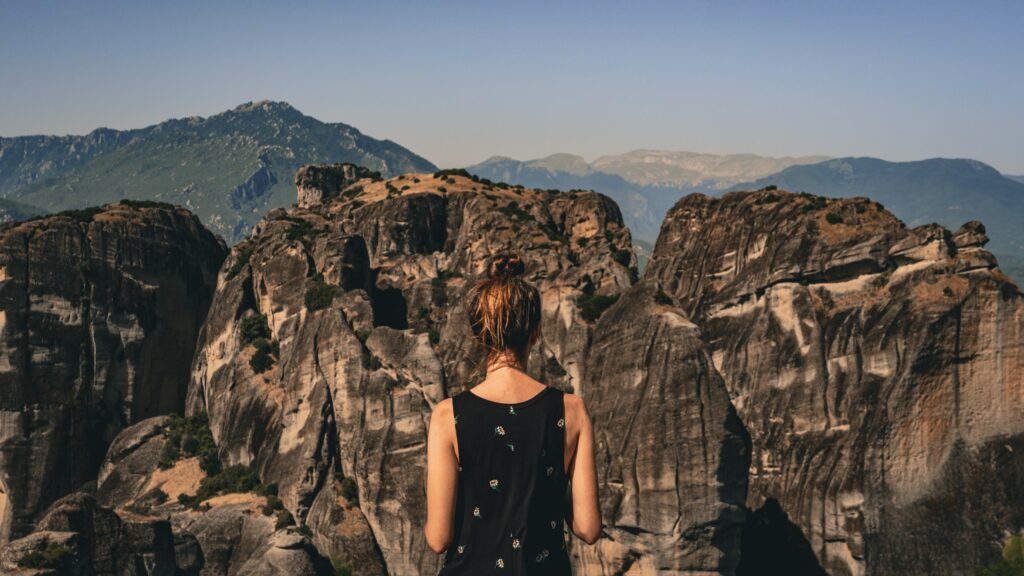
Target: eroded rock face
x,y
673,456
90,539
363,296
879,370
227,534
99,312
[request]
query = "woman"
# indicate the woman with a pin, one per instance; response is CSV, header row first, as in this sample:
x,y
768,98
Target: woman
x,y
500,456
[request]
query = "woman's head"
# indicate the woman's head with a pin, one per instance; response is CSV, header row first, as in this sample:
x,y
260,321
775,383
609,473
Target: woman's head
x,y
504,310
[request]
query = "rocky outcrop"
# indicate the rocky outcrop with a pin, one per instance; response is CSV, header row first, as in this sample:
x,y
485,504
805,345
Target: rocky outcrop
x,y
99,312
224,534
357,300
673,456
879,370
318,183
77,536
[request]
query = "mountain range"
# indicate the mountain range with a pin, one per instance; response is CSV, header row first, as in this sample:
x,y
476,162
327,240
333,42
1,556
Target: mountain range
x,y
233,167
229,168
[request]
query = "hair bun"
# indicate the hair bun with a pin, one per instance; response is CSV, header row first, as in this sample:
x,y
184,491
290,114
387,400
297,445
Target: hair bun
x,y
506,266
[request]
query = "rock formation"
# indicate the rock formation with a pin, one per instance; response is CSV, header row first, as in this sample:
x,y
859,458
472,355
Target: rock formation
x,y
99,313
673,456
796,385
358,291
879,370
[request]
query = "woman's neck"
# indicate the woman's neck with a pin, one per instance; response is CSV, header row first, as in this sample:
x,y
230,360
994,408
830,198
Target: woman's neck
x,y
507,362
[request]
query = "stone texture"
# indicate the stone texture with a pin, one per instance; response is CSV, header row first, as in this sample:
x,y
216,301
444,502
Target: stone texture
x,y
879,370
97,541
673,456
99,312
352,389
235,540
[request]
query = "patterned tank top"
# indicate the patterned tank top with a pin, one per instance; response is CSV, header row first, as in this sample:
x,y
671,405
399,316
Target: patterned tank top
x,y
510,505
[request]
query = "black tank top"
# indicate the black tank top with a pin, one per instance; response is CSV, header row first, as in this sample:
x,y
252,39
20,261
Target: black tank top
x,y
510,505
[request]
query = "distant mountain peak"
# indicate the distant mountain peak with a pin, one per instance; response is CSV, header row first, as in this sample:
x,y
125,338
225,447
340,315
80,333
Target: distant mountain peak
x,y
563,162
229,168
263,105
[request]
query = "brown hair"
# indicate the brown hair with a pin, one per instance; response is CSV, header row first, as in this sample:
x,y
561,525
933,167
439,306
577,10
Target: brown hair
x,y
504,309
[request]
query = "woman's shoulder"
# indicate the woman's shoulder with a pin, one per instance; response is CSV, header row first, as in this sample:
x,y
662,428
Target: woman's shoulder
x,y
444,409
574,404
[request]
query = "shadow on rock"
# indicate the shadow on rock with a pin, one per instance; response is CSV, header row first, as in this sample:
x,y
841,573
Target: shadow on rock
x,y
772,544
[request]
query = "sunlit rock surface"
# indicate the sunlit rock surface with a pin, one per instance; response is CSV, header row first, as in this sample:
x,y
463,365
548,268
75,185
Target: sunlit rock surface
x,y
362,291
879,370
99,313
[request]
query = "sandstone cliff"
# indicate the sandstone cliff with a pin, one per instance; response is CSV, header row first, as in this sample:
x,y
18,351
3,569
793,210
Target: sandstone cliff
x,y
879,370
99,313
358,291
797,385
672,454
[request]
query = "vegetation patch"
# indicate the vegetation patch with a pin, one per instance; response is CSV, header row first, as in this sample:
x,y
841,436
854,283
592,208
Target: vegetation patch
x,y
349,490
187,437
244,252
146,204
256,332
320,294
661,298
302,230
342,568
231,480
833,218
447,174
255,327
53,557
516,212
551,366
814,202
352,192
81,215
622,256
1012,562
265,356
274,503
592,306
284,519
438,292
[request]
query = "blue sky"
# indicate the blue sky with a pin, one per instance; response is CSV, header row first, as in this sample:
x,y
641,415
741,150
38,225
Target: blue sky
x,y
461,81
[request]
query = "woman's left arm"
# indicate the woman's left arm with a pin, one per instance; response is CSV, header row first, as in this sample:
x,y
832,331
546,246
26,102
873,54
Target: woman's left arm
x,y
442,477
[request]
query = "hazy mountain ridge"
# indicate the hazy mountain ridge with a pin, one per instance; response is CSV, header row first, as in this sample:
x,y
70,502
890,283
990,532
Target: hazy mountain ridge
x,y
11,210
229,168
642,207
645,183
681,169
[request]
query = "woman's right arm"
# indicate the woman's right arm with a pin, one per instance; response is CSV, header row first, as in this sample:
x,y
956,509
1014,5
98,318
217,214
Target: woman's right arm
x,y
586,514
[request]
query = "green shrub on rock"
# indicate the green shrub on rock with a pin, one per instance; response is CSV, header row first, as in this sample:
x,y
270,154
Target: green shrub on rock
x,y
320,295
53,557
349,490
592,306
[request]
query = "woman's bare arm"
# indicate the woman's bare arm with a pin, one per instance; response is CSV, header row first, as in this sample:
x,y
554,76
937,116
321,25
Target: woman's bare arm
x,y
442,476
586,514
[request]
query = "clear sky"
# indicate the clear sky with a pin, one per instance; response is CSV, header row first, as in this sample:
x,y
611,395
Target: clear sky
x,y
461,81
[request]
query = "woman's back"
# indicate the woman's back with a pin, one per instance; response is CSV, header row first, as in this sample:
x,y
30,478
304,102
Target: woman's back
x,y
510,501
